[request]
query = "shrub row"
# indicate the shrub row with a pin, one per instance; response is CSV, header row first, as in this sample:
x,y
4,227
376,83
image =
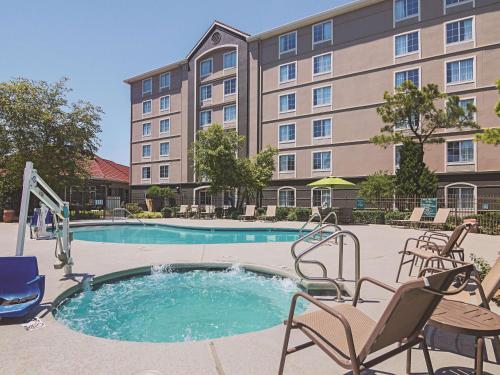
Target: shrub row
x,y
378,216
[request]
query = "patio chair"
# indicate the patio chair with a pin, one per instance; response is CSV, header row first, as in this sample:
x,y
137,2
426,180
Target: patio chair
x,y
183,210
415,218
194,210
270,213
249,213
349,336
426,247
208,211
21,287
439,220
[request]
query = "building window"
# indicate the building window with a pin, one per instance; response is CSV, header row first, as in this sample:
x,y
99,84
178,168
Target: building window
x,y
146,173
397,156
287,133
288,42
206,67
164,81
405,9
406,44
287,163
205,118
164,148
205,92
287,103
165,126
163,171
230,86
460,71
322,96
230,113
322,128
322,32
287,72
321,198
147,86
407,124
146,107
286,197
465,104
460,151
322,160
146,151
461,197
412,75
204,198
229,60
459,31
146,129
456,2
322,64
165,103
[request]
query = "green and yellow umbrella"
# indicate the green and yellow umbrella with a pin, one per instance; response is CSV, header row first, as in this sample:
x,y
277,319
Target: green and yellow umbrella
x,y
333,182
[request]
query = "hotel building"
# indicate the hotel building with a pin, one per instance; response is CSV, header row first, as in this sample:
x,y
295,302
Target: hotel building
x,y
311,88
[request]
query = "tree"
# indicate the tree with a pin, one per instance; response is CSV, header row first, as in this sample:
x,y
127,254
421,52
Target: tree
x,y
376,186
38,123
492,135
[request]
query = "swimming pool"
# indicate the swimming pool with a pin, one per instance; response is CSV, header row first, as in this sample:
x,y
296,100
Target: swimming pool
x,y
171,306
169,234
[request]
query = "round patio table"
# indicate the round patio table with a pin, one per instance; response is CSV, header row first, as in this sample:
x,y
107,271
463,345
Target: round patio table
x,y
463,318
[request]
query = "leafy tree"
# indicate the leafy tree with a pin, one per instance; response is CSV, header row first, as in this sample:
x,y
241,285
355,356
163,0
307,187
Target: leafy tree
x,y
38,123
376,186
492,135
413,177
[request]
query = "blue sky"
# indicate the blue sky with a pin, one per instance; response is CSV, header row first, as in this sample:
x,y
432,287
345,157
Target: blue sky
x,y
97,44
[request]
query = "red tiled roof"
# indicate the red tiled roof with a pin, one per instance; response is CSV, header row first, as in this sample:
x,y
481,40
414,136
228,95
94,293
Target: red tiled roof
x,y
103,169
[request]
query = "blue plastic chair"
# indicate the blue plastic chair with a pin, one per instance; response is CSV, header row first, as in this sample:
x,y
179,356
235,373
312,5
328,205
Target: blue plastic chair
x,y
19,278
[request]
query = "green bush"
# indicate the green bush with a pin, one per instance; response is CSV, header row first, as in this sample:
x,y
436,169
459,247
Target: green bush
x,y
133,208
219,212
86,214
282,213
261,211
302,213
292,215
368,217
234,213
167,212
389,216
149,215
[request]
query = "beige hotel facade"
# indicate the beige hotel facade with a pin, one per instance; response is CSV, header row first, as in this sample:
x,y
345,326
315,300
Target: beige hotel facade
x,y
311,88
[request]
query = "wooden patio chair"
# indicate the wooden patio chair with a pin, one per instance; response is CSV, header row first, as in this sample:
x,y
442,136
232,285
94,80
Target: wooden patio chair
x,y
415,218
349,336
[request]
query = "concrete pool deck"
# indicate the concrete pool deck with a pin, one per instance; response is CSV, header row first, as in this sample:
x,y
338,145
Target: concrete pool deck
x,y
56,349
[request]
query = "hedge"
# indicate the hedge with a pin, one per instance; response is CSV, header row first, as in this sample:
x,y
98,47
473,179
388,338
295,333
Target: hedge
x,y
368,217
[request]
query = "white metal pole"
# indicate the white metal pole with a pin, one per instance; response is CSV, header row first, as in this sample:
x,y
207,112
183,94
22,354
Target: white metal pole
x,y
23,214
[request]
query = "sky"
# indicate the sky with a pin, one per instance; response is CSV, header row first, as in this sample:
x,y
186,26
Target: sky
x,y
98,44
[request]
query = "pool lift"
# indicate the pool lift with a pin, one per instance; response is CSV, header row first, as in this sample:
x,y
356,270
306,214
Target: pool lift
x,y
33,183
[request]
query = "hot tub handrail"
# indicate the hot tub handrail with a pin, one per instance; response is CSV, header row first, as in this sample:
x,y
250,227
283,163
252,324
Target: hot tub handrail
x,y
129,214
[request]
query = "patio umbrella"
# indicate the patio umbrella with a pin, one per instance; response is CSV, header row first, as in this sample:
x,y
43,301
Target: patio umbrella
x,y
331,182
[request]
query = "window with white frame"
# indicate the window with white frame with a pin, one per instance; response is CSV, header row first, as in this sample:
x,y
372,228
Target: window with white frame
x,y
229,60
466,105
146,129
456,2
164,171
206,67
146,107
205,118
286,197
406,124
146,151
287,72
322,32
412,75
230,113
287,163
459,31
406,44
405,9
146,173
460,151
230,86
165,103
165,126
322,64
322,96
287,133
461,71
322,128
164,81
321,198
288,42
164,148
147,86
322,160
461,197
287,103
397,156
205,92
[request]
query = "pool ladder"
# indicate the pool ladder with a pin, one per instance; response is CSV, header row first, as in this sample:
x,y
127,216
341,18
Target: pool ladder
x,y
338,234
321,221
126,215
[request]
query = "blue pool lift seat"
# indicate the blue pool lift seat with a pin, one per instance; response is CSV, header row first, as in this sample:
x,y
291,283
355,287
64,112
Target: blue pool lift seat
x,y
19,279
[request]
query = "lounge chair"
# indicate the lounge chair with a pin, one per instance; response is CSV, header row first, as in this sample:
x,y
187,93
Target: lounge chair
x,y
426,247
415,218
194,210
208,211
439,220
21,287
183,210
249,213
270,213
349,336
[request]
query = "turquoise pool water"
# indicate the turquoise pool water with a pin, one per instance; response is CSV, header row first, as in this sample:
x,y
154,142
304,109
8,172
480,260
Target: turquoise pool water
x,y
180,306
166,234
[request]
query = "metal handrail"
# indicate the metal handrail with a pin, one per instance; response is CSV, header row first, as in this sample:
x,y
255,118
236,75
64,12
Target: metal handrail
x,y
316,214
129,214
330,214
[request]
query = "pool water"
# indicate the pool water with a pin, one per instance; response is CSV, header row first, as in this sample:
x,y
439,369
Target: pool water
x,y
167,234
180,306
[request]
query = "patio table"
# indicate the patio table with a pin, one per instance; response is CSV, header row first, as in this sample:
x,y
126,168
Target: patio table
x,y
463,318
